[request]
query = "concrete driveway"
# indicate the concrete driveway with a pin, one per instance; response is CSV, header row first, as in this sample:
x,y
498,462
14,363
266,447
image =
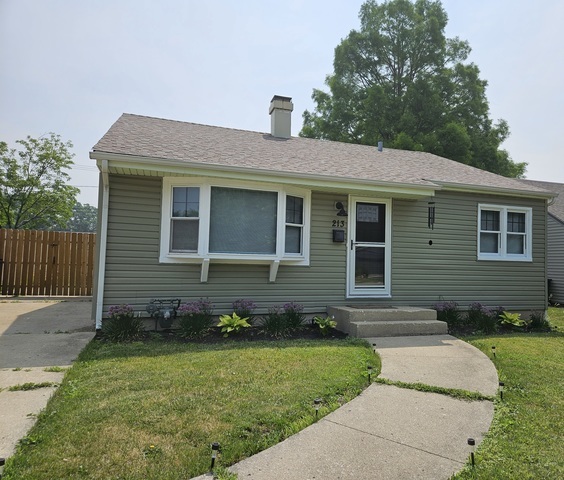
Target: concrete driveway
x,y
34,335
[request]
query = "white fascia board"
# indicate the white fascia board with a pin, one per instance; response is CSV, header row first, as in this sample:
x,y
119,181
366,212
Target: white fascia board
x,y
459,187
324,182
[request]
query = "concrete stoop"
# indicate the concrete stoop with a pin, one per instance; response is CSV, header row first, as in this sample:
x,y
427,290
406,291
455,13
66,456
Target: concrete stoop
x,y
364,322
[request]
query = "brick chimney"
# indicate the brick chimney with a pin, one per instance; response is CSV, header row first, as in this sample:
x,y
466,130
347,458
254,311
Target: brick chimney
x,y
281,116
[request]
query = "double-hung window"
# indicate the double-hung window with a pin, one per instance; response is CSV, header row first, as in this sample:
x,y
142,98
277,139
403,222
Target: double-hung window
x,y
294,227
504,233
234,222
185,219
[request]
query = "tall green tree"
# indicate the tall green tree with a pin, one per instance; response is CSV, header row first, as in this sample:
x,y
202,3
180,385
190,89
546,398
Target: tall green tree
x,y
84,219
34,189
400,80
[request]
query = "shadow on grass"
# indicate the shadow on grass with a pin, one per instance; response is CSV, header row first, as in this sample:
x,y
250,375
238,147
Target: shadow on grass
x,y
99,349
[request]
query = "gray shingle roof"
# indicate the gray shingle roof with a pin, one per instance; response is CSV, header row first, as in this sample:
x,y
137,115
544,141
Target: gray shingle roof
x,y
557,207
171,140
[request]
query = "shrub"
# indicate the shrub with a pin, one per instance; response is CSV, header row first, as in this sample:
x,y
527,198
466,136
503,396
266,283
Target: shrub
x,y
325,324
295,317
282,321
122,324
274,323
539,322
483,318
232,323
245,309
195,318
448,312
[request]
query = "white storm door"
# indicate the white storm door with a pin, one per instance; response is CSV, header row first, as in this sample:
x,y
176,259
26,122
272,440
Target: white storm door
x,y
369,259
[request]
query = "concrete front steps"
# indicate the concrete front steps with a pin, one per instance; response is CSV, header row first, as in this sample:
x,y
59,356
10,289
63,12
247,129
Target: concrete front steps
x,y
368,321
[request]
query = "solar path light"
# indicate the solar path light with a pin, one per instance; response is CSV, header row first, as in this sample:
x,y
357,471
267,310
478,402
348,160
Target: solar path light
x,y
316,404
472,445
215,451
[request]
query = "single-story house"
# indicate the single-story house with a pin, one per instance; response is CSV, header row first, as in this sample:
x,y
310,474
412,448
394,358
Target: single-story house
x,y
555,239
191,211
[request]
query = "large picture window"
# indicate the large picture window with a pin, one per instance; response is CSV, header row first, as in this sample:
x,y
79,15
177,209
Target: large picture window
x,y
236,221
504,233
243,221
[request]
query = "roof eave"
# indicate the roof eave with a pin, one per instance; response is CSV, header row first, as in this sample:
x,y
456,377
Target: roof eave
x,y
460,187
163,165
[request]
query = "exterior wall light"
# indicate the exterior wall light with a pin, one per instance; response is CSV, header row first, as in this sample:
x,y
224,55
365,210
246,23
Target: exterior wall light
x,y
431,215
341,209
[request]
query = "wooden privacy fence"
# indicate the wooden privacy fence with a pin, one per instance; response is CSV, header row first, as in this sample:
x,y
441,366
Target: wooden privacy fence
x,y
37,262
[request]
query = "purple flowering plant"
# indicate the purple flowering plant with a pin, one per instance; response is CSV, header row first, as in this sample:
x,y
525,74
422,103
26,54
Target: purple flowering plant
x,y
121,311
448,312
293,313
198,307
195,318
122,325
482,317
244,308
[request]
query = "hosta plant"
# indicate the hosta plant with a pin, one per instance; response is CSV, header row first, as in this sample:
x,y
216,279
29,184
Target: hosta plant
x,y
232,324
325,324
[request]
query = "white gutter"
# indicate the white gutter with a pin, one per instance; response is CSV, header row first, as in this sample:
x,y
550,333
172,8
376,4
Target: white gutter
x,y
494,190
311,180
103,165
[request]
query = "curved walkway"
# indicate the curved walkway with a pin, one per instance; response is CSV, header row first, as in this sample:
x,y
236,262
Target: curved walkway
x,y
389,432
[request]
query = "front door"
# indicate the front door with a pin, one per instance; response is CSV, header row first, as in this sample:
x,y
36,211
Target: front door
x,y
369,248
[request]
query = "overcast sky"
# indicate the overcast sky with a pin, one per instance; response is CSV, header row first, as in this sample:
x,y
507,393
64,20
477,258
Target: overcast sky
x,y
73,67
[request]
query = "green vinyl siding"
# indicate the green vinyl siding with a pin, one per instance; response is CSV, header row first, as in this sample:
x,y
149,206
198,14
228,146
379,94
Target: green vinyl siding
x,y
422,274
134,274
556,258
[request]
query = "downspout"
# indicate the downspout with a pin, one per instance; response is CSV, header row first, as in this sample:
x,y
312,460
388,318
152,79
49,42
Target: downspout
x,y
102,243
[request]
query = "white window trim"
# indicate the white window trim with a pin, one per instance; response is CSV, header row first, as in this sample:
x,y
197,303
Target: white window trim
x,y
502,255
203,256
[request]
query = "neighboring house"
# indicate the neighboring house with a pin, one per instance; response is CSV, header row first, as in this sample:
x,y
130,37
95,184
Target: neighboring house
x,y
194,211
555,238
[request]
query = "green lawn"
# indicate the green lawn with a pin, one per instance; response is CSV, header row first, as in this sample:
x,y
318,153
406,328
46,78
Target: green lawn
x,y
526,440
151,411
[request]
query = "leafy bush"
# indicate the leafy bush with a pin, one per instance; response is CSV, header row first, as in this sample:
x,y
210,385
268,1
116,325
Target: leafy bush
x,y
232,323
195,318
325,324
122,324
483,318
448,312
245,309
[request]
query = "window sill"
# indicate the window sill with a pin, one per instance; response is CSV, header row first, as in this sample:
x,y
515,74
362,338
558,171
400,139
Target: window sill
x,y
273,262
503,259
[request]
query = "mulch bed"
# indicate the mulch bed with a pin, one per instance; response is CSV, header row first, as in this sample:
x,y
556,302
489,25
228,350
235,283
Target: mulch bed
x,y
252,334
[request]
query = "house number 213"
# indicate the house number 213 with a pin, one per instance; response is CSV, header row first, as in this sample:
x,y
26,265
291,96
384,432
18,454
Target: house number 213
x,y
338,223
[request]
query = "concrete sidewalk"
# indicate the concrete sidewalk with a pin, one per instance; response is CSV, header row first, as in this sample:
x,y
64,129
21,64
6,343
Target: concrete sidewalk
x,y
34,335
388,432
